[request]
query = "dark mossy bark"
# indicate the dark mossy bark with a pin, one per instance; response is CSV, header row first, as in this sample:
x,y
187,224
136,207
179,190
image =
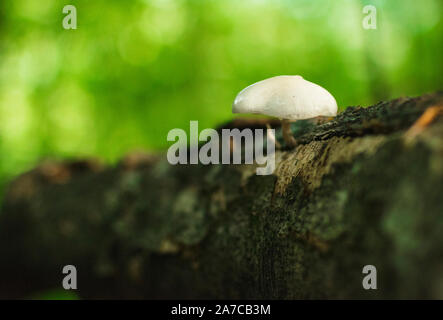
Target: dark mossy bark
x,y
358,190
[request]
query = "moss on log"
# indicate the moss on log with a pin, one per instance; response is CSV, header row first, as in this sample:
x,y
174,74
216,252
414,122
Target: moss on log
x,y
360,189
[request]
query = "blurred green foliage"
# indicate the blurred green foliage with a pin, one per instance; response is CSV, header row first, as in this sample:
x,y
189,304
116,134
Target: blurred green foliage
x,y
135,69
55,294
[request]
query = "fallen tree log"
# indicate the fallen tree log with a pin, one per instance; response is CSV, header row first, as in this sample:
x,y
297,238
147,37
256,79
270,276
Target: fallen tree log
x,y
362,189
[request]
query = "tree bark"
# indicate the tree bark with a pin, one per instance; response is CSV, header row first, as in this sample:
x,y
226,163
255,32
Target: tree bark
x,y
361,189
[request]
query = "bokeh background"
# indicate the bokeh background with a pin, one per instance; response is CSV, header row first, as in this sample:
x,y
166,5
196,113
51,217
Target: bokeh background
x,y
135,69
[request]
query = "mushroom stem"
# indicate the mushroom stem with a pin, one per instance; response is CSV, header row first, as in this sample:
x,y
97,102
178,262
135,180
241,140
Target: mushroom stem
x,y
287,133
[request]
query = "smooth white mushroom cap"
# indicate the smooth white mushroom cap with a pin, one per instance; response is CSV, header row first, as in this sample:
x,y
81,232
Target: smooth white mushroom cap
x,y
286,97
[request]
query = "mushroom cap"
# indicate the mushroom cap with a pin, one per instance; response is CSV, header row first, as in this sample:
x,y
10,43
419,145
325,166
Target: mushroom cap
x,y
286,97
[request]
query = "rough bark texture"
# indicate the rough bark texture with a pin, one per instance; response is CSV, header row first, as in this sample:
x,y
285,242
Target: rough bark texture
x,y
358,190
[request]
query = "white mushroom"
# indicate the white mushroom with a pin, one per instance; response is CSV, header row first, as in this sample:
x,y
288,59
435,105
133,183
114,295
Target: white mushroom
x,y
289,98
